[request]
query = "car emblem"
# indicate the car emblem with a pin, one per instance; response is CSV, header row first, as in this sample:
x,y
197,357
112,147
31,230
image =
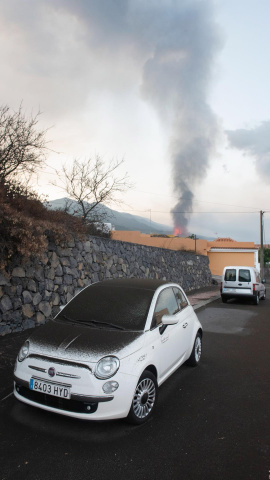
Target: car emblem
x,y
51,371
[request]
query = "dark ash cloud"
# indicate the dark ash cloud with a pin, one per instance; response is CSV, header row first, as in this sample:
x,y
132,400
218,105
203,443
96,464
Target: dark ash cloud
x,y
254,142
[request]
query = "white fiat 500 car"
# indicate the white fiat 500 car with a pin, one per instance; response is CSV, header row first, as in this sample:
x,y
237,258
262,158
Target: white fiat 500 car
x,y
105,354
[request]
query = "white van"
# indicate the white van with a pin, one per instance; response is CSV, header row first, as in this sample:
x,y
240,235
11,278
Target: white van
x,y
238,282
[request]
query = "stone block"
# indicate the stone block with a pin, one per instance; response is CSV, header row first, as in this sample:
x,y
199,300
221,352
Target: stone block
x,y
32,286
37,299
4,280
59,271
45,308
65,261
4,329
67,280
49,285
18,272
5,304
87,247
28,310
39,274
50,274
55,299
28,324
40,318
54,260
27,297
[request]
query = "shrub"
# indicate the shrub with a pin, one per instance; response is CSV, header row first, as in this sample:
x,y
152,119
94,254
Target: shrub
x,y
26,224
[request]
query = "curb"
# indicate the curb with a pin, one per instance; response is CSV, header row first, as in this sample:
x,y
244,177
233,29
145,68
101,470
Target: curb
x,y
205,302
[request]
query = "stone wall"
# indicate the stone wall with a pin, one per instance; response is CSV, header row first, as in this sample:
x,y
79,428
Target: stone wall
x,y
32,291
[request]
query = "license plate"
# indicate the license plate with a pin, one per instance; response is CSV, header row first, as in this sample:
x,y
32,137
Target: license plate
x,y
50,388
231,290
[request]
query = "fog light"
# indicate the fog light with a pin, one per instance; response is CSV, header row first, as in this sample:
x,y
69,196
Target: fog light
x,y
110,387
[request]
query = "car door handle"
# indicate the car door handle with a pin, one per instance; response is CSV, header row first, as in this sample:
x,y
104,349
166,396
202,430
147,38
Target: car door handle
x,y
185,325
164,339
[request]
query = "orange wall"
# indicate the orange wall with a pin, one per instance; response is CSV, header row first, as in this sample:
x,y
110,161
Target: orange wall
x,y
175,243
219,260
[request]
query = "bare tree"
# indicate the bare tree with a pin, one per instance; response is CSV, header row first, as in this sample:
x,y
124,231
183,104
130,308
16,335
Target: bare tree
x,y
91,183
22,145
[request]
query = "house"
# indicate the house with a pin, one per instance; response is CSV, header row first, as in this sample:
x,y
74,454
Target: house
x,y
225,251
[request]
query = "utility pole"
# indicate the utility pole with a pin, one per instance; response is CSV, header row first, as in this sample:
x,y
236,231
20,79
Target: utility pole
x,y
262,247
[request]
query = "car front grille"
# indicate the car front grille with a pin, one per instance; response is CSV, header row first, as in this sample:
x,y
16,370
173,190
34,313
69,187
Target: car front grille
x,y
75,406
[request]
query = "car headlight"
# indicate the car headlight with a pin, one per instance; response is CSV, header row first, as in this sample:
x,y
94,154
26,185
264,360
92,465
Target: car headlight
x,y
23,351
107,367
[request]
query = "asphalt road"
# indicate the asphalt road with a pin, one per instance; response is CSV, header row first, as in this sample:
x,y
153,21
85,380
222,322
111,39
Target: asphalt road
x,y
211,422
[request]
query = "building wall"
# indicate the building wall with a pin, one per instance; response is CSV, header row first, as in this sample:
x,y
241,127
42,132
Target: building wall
x,y
173,243
219,260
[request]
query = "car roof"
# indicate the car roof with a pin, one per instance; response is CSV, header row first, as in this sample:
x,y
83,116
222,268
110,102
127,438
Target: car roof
x,y
142,283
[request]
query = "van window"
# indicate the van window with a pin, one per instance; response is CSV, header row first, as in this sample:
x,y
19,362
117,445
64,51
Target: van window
x,y
230,275
244,275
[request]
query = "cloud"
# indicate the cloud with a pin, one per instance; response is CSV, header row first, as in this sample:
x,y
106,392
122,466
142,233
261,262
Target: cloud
x,y
254,142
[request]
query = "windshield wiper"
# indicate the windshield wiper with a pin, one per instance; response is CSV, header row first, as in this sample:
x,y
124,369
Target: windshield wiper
x,y
89,322
95,322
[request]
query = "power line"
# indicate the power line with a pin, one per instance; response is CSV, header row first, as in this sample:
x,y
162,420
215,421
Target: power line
x,y
186,213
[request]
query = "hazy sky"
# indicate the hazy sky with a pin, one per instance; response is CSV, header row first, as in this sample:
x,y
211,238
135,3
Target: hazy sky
x,y
178,88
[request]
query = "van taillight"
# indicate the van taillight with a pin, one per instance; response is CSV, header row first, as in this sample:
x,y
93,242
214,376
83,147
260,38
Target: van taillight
x,y
254,287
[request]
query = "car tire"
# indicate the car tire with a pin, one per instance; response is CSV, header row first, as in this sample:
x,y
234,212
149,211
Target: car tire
x,y
256,300
224,299
144,399
264,295
196,353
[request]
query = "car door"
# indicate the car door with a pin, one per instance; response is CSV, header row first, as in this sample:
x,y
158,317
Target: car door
x,y
169,341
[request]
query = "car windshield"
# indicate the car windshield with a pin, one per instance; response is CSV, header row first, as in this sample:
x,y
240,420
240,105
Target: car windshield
x,y
122,307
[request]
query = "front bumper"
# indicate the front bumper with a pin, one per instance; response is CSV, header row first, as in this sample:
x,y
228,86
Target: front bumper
x,y
88,401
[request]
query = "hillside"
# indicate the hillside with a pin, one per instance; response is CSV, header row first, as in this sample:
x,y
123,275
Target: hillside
x,y
120,220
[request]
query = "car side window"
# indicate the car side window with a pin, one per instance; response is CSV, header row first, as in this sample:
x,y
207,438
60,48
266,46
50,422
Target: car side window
x,y
180,298
166,305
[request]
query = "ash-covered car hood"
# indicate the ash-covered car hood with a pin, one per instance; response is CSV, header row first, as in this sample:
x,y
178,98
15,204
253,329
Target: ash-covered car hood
x,y
84,343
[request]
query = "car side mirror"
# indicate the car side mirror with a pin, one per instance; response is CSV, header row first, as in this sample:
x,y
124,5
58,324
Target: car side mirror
x,y
169,320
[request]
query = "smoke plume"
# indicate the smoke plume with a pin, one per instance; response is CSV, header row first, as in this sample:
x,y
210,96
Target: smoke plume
x,y
177,80
255,142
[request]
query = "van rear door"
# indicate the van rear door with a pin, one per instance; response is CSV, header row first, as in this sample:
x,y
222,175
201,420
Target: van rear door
x,y
238,280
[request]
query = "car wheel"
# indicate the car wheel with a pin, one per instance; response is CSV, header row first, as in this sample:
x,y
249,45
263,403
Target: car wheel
x,y
264,295
144,399
196,352
224,299
256,300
